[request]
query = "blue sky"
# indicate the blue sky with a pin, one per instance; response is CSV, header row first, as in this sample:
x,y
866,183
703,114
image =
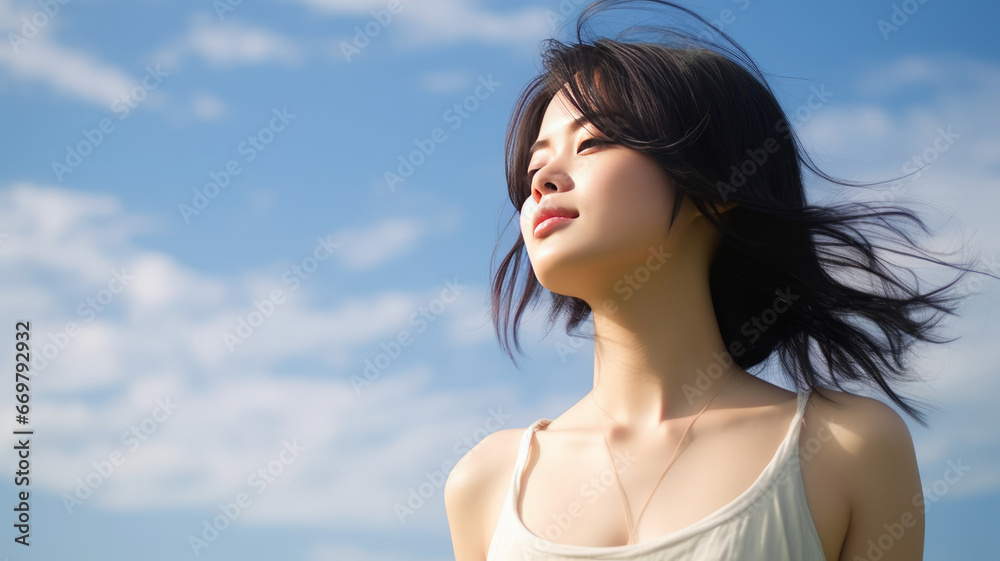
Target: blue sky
x,y
191,350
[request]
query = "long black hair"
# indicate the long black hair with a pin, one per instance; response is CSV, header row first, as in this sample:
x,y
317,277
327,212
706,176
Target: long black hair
x,y
707,115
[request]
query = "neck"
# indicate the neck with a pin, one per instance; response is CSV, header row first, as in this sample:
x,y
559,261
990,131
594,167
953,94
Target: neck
x,y
659,354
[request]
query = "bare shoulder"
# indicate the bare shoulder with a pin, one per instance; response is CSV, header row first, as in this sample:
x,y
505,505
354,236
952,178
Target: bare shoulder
x,y
859,423
474,490
871,459
483,463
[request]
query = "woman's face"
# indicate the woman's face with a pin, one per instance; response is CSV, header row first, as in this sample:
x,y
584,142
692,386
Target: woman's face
x,y
622,200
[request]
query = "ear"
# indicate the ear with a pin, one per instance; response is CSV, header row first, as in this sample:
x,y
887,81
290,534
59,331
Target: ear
x,y
726,207
723,208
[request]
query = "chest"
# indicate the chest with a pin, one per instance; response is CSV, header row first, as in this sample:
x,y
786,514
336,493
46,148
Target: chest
x,y
577,490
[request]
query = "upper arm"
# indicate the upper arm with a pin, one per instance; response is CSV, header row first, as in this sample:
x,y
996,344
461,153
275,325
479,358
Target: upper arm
x,y
469,489
887,515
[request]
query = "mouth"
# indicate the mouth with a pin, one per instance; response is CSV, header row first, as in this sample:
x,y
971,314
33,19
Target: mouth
x,y
551,223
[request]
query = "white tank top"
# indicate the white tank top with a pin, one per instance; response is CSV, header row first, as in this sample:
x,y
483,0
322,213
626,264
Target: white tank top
x,y
769,521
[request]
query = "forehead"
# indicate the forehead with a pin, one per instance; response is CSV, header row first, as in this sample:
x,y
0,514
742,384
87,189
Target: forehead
x,y
559,114
560,118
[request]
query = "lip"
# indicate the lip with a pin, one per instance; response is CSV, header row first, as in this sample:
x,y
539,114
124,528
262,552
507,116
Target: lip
x,y
548,217
547,225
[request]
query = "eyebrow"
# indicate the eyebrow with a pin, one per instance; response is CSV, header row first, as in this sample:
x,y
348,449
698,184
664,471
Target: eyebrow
x,y
572,126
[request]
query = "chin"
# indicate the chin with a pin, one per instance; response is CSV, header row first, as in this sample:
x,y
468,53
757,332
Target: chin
x,y
558,276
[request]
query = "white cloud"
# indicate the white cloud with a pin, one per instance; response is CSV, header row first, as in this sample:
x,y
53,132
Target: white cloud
x,y
951,128
953,137
372,246
939,71
889,128
85,240
444,81
163,285
443,22
161,338
356,7
40,58
208,107
68,71
42,227
230,43
37,57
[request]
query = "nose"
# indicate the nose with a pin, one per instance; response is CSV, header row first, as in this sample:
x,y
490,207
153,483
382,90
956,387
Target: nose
x,y
551,178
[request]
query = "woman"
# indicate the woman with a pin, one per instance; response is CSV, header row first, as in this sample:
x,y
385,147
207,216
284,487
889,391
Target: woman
x,y
660,193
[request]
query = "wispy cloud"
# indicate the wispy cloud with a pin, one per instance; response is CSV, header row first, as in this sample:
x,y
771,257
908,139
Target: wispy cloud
x,y
208,107
356,7
39,58
448,22
446,81
369,247
34,56
941,72
230,43
429,23
952,130
160,336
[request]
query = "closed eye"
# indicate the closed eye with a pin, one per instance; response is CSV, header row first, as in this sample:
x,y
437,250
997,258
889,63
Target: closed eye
x,y
588,142
594,141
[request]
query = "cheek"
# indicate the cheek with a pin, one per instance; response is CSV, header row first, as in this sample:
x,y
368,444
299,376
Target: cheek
x,y
634,199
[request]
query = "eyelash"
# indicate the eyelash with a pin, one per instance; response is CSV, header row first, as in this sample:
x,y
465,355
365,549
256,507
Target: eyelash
x,y
594,141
